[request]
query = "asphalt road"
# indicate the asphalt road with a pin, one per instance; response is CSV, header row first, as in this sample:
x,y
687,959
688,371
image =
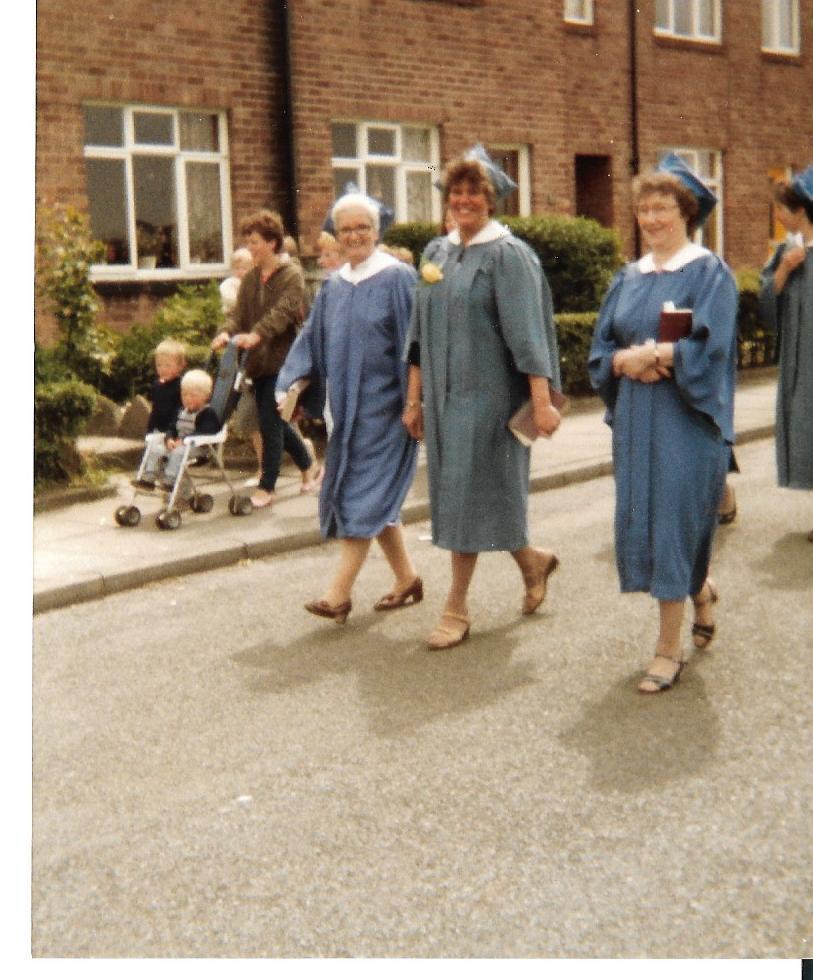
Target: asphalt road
x,y
216,773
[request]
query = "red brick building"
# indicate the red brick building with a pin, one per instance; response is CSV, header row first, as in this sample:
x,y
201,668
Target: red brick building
x,y
169,121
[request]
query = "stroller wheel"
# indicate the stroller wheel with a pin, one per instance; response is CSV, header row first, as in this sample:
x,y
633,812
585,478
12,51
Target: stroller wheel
x,y
240,506
128,516
202,503
168,520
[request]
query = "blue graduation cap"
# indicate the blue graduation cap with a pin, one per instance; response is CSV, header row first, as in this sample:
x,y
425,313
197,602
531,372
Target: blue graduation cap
x,y
502,183
802,184
386,215
673,164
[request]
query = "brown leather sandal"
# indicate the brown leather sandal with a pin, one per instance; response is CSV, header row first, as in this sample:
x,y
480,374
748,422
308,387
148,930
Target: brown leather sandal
x,y
444,637
703,633
536,584
318,607
394,600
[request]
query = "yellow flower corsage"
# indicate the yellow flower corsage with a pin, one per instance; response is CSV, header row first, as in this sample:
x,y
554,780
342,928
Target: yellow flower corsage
x,y
431,273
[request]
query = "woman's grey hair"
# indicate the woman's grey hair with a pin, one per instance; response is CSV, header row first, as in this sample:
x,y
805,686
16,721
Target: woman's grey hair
x,y
361,201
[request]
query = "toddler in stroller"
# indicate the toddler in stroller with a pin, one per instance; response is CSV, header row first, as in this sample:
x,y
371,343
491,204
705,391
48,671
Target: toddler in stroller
x,y
197,433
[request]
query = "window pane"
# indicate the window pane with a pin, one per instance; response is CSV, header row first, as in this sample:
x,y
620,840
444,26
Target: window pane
x,y
343,176
103,125
416,144
344,139
703,164
155,211
419,196
199,131
153,127
662,14
683,17
381,184
705,17
381,142
107,193
785,24
203,212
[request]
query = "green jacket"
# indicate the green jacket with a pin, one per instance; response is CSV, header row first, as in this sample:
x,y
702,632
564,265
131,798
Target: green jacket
x,y
272,309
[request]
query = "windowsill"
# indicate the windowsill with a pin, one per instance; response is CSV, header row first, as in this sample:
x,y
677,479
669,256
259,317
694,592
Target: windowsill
x,y
580,27
782,57
156,275
699,44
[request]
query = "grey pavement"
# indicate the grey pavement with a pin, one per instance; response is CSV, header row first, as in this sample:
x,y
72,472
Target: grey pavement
x,y
80,553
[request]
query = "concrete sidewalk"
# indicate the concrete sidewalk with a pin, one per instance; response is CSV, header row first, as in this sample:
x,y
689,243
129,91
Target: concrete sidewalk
x,y
80,552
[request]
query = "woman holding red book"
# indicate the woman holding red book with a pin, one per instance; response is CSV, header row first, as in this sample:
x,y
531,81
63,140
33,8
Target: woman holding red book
x,y
670,403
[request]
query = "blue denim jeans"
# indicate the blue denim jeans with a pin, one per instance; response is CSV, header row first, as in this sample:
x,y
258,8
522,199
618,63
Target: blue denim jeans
x,y
277,436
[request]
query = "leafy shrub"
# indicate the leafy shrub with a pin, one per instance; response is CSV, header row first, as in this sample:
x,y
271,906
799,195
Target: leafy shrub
x,y
756,344
414,235
579,255
192,315
575,334
61,408
65,253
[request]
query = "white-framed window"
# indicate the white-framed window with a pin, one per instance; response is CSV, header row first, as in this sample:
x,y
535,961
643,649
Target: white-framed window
x,y
514,159
158,189
780,26
708,165
393,162
579,11
697,20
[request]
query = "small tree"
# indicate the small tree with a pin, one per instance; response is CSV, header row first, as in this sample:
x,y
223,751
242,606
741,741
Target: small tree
x,y
65,253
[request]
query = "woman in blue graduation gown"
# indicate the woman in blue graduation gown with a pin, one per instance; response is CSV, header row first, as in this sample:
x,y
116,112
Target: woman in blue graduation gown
x,y
482,342
353,342
670,405
787,306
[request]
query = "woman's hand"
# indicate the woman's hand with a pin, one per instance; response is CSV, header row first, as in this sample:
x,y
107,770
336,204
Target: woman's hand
x,y
247,340
220,340
547,419
638,362
793,258
412,417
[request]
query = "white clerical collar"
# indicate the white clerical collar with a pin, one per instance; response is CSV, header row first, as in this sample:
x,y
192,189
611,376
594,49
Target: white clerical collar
x,y
491,233
687,254
376,263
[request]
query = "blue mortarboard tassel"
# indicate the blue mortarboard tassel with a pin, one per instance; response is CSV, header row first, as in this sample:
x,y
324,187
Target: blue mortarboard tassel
x,y
802,184
386,215
673,164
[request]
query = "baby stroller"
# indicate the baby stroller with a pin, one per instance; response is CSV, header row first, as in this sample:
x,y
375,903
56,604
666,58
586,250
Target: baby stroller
x,y
225,393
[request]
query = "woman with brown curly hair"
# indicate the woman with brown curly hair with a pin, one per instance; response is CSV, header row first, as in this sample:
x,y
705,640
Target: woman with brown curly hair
x,y
482,342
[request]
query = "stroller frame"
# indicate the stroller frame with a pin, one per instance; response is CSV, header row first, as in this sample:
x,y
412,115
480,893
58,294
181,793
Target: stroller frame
x,y
224,396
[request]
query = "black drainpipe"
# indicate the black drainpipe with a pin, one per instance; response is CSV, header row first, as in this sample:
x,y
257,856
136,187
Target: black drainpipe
x,y
288,155
635,161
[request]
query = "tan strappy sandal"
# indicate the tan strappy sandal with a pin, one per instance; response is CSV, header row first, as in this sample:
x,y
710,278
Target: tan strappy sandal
x,y
445,636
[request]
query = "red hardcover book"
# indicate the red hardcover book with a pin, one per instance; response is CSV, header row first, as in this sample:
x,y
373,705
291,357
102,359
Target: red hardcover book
x,y
674,325
522,423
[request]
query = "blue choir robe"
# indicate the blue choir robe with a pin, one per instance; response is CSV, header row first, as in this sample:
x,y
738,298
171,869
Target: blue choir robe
x,y
790,315
353,342
671,439
481,331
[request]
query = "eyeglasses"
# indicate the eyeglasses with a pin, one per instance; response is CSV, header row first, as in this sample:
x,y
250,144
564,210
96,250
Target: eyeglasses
x,y
355,230
656,210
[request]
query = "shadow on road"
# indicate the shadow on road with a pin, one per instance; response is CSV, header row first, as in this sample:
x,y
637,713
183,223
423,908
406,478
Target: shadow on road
x,y
404,686
789,555
636,742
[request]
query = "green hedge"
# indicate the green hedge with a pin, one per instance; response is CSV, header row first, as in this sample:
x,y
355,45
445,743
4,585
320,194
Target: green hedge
x,y
579,255
61,408
193,316
575,334
756,345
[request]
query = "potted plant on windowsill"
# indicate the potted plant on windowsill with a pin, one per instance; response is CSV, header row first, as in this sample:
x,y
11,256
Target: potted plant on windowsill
x,y
148,241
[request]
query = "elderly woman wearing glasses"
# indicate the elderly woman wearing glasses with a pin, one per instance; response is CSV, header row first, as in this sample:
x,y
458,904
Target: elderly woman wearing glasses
x,y
663,360
353,342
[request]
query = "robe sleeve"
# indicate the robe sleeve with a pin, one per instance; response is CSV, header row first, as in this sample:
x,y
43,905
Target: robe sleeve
x,y
604,346
769,299
703,361
301,360
403,301
412,345
525,311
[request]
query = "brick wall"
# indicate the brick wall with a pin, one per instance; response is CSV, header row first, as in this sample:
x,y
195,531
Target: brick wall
x,y
216,54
